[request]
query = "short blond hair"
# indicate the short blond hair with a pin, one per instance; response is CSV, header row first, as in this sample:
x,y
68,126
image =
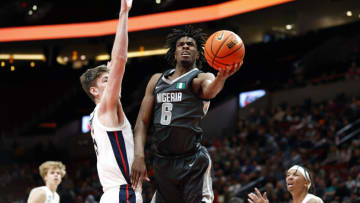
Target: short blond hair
x,y
44,168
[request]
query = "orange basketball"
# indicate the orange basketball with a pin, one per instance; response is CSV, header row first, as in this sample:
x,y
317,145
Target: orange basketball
x,y
224,48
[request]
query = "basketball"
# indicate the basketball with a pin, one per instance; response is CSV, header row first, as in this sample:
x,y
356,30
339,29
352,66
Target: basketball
x,y
224,48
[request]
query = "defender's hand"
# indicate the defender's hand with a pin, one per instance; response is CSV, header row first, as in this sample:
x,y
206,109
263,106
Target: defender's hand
x,y
126,5
138,172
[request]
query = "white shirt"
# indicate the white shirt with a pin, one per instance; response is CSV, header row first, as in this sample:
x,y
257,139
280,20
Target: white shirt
x,y
114,149
311,196
50,196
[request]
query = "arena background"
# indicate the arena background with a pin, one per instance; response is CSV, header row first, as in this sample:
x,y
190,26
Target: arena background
x,y
304,54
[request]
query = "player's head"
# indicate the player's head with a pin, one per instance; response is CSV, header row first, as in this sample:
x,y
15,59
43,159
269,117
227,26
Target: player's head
x,y
94,80
52,172
186,46
298,179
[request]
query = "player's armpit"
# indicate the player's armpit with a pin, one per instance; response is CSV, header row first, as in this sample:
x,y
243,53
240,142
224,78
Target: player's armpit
x,y
38,196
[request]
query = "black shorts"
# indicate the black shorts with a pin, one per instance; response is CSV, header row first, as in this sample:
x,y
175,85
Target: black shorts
x,y
183,180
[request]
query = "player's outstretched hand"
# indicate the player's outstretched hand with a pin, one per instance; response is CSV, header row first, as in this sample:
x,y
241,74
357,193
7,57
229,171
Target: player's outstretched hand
x,y
229,71
126,5
138,172
257,197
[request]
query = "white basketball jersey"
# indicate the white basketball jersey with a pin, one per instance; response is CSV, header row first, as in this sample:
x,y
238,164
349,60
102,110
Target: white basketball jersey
x,y
311,196
50,196
114,149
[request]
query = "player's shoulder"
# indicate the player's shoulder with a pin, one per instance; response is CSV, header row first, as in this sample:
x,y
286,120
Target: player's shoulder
x,y
40,188
152,82
313,199
154,78
37,194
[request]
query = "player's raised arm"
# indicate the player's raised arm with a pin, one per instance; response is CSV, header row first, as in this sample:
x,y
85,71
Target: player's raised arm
x,y
118,59
210,86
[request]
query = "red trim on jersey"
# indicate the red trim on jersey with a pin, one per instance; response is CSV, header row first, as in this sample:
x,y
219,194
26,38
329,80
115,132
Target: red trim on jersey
x,y
127,193
122,157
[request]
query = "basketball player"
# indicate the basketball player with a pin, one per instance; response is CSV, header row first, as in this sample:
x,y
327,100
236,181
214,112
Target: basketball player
x,y
175,101
52,173
110,129
298,183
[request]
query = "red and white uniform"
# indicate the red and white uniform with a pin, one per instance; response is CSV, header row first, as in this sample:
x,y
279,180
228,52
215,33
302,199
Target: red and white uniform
x,y
114,149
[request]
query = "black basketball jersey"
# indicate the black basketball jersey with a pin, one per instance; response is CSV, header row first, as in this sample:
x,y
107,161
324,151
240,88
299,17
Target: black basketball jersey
x,y
177,114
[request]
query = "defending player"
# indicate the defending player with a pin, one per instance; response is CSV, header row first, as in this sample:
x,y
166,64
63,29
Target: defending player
x,y
110,129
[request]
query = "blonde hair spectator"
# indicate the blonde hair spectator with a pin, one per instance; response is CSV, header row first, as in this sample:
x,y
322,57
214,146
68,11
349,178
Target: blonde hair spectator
x,y
44,168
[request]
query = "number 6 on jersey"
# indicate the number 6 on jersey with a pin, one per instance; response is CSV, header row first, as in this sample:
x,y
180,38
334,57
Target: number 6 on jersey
x,y
166,109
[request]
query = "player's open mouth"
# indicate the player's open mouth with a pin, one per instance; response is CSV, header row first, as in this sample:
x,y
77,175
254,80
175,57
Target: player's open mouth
x,y
185,53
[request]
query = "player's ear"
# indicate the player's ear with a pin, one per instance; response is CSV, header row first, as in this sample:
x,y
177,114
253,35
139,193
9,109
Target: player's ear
x,y
45,178
94,91
197,56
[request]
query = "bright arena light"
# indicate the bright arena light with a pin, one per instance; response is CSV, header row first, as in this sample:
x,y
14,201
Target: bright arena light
x,y
134,54
37,57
